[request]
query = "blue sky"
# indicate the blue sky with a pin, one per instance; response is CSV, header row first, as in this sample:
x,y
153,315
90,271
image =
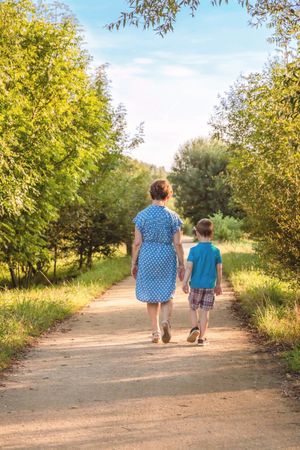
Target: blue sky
x,y
173,83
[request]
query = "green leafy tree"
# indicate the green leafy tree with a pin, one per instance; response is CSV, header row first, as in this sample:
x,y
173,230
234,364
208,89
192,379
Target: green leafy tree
x,y
54,125
260,120
199,179
101,217
161,15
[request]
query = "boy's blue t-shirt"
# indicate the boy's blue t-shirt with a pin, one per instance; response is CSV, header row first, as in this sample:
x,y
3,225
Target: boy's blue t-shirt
x,y
205,257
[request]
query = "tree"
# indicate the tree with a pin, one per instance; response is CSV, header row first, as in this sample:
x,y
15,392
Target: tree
x,y
161,14
199,179
260,120
101,217
54,125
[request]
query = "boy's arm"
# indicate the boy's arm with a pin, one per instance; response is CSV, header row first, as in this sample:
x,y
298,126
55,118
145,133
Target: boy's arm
x,y
218,288
187,275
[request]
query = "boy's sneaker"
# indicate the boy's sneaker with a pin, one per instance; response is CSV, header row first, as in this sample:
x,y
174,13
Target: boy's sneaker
x,y
202,342
194,333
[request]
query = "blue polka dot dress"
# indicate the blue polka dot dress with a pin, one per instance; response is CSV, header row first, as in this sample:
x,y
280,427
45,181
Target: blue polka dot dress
x,y
157,262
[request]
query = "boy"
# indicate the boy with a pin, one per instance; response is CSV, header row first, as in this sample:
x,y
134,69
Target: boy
x,y
204,266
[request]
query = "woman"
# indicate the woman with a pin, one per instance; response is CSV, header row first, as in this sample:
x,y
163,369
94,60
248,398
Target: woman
x,y
156,243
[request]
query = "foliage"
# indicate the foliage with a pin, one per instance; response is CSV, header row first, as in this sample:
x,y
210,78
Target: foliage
x,y
102,215
25,314
187,227
54,126
125,190
199,179
293,359
226,228
260,119
272,305
161,14
59,140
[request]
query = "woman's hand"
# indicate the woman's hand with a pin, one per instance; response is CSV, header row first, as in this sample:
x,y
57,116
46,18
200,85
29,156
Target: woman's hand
x,y
186,288
134,270
181,272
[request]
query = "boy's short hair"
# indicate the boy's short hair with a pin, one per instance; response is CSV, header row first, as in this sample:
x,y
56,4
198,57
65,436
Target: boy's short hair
x,y
160,190
205,228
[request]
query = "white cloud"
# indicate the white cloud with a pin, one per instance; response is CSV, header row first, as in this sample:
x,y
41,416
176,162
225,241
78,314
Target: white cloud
x,y
175,102
173,109
143,61
125,72
177,71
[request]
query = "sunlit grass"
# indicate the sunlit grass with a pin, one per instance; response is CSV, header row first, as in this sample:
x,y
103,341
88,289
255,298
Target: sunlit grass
x,y
272,305
25,314
293,358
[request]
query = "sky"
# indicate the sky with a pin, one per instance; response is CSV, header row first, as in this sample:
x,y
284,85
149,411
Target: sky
x,y
172,83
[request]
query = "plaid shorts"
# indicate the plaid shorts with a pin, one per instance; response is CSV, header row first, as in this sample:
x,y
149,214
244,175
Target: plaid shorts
x,y
205,298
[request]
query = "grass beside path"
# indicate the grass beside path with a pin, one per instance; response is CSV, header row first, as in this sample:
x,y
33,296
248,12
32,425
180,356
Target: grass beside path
x,y
272,305
25,314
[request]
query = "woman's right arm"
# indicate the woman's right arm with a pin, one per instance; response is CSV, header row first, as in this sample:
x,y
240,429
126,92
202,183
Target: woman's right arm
x,y
138,240
180,253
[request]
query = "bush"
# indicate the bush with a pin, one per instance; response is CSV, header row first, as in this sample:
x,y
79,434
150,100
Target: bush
x,y
226,228
187,228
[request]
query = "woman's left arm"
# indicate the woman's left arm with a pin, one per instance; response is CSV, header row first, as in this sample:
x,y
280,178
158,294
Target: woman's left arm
x,y
180,253
138,240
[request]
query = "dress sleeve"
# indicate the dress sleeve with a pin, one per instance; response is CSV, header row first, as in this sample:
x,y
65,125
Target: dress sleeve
x,y
139,222
176,224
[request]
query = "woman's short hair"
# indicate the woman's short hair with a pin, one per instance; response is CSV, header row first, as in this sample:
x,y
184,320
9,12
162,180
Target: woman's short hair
x,y
160,190
205,228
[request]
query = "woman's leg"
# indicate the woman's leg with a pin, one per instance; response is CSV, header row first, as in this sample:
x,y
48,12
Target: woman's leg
x,y
153,311
166,310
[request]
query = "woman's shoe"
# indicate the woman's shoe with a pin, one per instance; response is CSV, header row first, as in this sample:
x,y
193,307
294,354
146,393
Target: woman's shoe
x,y
166,336
156,337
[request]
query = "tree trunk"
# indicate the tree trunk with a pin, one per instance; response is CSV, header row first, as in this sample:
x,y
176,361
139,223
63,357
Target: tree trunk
x,y
14,280
128,244
55,264
28,277
89,259
80,260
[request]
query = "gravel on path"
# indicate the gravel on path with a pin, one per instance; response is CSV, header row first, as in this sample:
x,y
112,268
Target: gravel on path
x,y
97,382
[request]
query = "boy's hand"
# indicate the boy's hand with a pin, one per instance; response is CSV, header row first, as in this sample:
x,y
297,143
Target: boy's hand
x,y
218,290
186,288
134,270
180,272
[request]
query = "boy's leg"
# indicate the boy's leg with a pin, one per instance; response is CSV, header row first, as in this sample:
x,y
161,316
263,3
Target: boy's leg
x,y
203,322
194,333
194,317
206,304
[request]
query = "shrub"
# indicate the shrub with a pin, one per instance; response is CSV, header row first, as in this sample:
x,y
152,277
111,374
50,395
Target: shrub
x,y
187,228
226,228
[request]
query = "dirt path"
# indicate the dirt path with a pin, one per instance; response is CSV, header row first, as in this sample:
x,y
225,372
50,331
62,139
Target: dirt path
x,y
97,383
